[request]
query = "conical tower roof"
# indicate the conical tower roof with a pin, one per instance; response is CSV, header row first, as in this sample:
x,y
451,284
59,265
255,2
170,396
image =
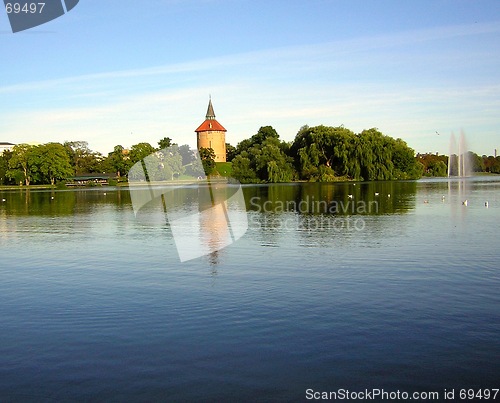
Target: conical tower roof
x,y
210,124
210,110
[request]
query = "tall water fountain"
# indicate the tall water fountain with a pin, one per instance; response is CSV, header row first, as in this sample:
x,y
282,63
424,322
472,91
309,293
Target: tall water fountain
x,y
459,162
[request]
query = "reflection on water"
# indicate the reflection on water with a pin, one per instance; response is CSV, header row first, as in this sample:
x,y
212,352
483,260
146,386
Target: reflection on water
x,y
340,198
60,203
327,215
95,304
202,217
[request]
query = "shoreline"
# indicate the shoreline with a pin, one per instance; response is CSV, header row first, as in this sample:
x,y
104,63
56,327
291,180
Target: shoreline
x,y
126,184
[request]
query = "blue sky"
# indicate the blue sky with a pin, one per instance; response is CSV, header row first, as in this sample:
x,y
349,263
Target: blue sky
x,y
122,72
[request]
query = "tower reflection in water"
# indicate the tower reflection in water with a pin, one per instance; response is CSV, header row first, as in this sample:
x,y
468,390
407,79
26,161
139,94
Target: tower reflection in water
x,y
203,215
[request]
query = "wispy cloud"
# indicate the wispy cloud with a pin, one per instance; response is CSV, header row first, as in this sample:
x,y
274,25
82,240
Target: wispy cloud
x,y
300,55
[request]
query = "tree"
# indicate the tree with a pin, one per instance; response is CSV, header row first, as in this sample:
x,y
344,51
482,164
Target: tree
x,y
165,142
83,160
258,138
242,169
263,158
264,133
377,152
170,163
405,164
271,163
332,147
4,167
437,168
433,164
188,155
190,162
140,151
230,152
51,162
491,164
328,153
118,161
207,156
21,163
476,162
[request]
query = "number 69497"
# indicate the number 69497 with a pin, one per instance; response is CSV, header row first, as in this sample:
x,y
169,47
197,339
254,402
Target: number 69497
x,y
26,8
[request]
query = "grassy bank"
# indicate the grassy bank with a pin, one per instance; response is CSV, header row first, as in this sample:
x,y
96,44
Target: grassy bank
x,y
30,187
224,168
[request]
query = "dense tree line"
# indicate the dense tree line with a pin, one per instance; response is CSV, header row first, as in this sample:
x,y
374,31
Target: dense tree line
x,y
319,153
46,163
433,164
437,165
53,162
491,164
324,153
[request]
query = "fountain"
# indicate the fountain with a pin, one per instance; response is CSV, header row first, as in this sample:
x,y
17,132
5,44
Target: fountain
x,y
459,162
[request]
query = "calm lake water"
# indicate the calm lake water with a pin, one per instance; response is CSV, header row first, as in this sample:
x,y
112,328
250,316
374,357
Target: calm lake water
x,y
402,295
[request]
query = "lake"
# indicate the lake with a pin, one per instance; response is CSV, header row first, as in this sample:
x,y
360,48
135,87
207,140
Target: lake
x,y
400,292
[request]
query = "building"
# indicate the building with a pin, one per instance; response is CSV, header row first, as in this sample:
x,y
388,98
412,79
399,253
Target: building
x,y
211,134
5,147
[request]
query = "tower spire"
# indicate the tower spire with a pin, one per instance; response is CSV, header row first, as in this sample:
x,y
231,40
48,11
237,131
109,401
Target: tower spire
x,y
210,111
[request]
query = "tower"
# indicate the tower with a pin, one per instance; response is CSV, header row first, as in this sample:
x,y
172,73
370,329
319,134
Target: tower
x,y
211,134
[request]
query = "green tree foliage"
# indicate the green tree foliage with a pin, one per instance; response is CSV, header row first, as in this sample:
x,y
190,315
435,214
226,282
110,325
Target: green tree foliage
x,y
21,164
477,162
51,162
491,164
403,158
318,153
433,164
165,142
118,161
207,156
44,164
243,170
376,155
83,159
258,138
162,165
318,146
263,158
329,153
140,151
4,168
230,152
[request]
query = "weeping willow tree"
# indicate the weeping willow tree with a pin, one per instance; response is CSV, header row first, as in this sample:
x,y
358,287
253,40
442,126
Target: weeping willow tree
x,y
319,146
332,153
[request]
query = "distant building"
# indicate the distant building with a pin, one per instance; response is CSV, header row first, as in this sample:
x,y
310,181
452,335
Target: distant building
x,y
211,134
5,147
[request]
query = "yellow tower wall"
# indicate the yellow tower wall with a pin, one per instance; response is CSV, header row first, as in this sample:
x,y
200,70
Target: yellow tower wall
x,y
216,140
